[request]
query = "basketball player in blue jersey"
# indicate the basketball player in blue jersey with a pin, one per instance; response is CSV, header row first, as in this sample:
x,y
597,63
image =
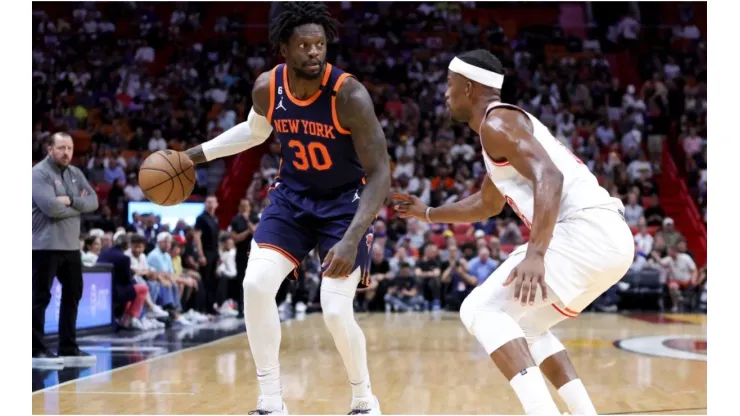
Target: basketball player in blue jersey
x,y
333,180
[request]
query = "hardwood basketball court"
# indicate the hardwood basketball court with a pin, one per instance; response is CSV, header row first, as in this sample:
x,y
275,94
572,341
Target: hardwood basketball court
x,y
419,364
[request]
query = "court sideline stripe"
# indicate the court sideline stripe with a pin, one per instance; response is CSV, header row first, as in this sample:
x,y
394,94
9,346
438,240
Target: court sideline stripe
x,y
149,360
657,411
127,393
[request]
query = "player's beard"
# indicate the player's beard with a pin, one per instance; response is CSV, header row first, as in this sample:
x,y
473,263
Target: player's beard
x,y
300,73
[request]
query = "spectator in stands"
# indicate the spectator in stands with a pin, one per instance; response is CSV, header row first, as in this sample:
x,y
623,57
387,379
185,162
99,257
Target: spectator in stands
x,y
187,280
157,142
159,260
132,191
415,234
631,140
509,232
143,274
643,239
682,274
633,212
659,246
692,143
404,294
380,279
128,295
206,234
242,228
402,255
639,261
637,168
106,241
670,235
106,222
682,247
497,254
145,54
654,213
483,265
428,271
226,273
605,133
114,172
91,251
457,280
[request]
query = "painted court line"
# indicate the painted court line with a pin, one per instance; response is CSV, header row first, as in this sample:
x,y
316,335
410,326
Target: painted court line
x,y
124,393
149,360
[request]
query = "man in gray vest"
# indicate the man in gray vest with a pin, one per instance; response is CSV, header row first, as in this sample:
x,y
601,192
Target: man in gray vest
x,y
60,195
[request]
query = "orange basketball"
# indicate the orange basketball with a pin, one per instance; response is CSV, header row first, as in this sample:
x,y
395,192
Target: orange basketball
x,y
167,177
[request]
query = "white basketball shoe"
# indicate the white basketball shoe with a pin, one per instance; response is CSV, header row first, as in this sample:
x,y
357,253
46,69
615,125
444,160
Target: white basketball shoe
x,y
365,406
265,407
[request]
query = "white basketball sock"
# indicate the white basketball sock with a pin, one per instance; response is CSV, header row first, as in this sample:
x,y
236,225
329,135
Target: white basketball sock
x,y
530,387
574,394
265,272
336,302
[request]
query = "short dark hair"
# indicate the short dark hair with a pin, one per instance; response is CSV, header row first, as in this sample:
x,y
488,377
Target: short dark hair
x,y
89,241
293,14
224,237
482,59
138,239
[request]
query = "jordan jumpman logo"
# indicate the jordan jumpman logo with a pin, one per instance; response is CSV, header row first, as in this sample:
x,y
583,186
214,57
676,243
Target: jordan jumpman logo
x,y
280,105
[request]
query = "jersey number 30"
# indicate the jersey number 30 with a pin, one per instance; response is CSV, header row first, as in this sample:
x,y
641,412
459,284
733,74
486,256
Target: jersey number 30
x,y
315,156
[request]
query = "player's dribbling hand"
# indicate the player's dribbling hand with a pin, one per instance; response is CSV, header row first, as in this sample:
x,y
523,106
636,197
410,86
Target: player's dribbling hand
x,y
409,206
528,275
340,259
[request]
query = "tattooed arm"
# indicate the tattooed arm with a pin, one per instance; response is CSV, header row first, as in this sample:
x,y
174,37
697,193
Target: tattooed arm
x,y
356,113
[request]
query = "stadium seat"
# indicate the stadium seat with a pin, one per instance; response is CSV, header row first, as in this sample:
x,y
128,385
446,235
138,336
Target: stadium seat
x,y
438,240
461,228
643,288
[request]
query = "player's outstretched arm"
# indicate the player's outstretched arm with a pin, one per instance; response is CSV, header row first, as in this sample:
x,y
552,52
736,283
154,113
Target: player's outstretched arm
x,y
356,113
244,135
508,134
483,204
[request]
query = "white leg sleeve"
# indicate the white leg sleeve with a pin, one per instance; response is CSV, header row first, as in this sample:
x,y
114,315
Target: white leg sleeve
x,y
266,270
337,296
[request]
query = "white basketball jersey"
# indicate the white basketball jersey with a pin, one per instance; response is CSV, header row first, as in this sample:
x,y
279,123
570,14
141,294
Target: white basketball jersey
x,y
580,187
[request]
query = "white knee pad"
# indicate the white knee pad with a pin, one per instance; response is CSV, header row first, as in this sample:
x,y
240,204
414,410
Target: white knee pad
x,y
472,304
337,296
346,287
489,323
266,270
543,346
336,309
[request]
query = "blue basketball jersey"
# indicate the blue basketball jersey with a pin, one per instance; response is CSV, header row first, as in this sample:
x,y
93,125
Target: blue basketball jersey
x,y
318,156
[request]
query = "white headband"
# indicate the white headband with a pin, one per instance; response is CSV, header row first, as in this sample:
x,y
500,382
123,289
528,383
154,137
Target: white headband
x,y
483,76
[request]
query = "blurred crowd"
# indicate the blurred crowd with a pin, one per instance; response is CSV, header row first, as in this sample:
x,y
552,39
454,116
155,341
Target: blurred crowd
x,y
123,97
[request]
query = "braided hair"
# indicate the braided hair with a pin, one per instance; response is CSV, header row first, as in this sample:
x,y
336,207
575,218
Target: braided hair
x,y
293,14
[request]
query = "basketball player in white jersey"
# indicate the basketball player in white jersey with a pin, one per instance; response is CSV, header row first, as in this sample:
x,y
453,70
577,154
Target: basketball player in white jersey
x,y
579,243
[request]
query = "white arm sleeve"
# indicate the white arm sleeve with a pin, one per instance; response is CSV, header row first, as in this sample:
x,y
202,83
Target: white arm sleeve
x,y
239,138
